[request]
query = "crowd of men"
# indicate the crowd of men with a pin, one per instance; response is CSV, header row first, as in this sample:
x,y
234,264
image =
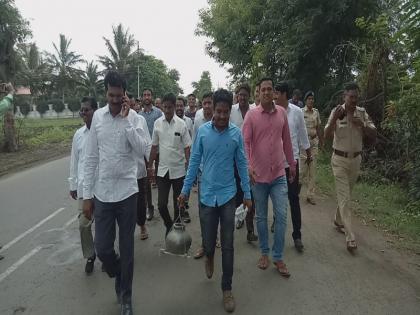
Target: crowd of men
x,y
236,154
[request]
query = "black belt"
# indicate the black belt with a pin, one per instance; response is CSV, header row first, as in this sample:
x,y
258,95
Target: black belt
x,y
347,154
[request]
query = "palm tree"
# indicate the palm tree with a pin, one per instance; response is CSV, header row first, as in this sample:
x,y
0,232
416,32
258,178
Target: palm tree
x,y
34,71
90,84
63,63
121,50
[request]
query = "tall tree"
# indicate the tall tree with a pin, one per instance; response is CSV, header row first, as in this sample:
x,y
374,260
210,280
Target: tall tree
x,y
90,83
203,85
13,29
121,49
63,62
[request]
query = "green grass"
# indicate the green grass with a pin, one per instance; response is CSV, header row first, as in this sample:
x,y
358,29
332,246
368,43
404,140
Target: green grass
x,y
386,205
38,132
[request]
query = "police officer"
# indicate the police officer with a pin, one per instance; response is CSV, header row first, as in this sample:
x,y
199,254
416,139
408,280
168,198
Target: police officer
x,y
347,124
313,127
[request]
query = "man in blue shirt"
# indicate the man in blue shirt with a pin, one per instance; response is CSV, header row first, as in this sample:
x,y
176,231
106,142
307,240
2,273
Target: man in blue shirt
x,y
218,145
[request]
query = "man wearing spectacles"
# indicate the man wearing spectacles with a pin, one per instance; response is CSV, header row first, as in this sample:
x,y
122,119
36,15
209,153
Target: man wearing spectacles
x,y
77,161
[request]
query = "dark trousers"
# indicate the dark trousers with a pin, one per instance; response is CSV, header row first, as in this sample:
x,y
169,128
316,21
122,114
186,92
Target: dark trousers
x,y
209,219
239,199
164,186
141,201
124,213
293,194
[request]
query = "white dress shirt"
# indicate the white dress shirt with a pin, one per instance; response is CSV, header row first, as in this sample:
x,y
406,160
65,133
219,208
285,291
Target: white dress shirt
x,y
141,166
198,122
77,160
297,129
236,115
189,123
171,138
114,145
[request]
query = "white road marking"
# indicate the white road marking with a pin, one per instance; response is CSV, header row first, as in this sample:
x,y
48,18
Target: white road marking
x,y
20,262
17,239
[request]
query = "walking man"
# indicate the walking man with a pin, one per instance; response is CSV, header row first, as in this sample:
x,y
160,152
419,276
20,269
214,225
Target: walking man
x,y
347,125
268,146
77,163
192,106
151,114
300,140
171,138
218,146
237,116
180,112
115,142
313,127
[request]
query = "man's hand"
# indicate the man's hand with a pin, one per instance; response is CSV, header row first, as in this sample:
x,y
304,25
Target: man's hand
x,y
150,173
73,194
125,107
252,176
338,113
88,208
292,174
181,200
248,204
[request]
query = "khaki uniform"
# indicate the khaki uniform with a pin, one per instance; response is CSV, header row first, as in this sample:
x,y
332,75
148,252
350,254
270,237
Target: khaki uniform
x,y
307,172
348,139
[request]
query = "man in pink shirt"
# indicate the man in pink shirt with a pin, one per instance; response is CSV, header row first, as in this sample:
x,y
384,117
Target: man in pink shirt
x,y
268,145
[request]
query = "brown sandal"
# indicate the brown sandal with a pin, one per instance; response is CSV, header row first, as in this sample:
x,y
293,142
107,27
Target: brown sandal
x,y
263,262
282,269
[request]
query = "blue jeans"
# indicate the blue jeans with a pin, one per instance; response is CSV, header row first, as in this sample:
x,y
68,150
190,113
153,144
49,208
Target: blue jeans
x,y
277,191
209,219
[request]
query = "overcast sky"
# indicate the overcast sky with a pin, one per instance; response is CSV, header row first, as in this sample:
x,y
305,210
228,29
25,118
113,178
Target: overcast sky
x,y
164,29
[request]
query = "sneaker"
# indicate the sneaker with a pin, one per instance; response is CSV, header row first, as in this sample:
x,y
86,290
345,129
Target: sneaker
x,y
90,263
186,217
251,237
299,245
209,266
228,301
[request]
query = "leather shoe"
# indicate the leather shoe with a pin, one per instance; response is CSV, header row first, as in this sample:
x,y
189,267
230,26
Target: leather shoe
x,y
90,263
126,309
186,217
150,214
209,265
228,301
251,237
299,245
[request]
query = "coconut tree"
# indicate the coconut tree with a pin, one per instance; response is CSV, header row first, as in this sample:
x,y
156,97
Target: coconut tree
x,y
90,83
64,64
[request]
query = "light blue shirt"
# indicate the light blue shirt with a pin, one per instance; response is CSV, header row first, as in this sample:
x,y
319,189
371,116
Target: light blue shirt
x,y
218,152
151,117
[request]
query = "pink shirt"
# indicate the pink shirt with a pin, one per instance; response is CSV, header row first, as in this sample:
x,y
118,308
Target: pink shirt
x,y
267,143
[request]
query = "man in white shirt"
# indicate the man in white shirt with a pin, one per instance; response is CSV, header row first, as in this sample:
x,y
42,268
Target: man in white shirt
x,y
115,143
237,116
300,140
180,112
77,162
171,138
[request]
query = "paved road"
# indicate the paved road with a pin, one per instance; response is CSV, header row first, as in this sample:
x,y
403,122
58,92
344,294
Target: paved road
x,y
43,270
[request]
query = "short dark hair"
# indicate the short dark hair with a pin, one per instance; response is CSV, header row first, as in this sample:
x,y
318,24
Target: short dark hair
x,y
181,98
115,79
207,94
222,95
282,87
297,92
169,97
351,86
265,79
148,89
191,94
91,100
244,86
309,93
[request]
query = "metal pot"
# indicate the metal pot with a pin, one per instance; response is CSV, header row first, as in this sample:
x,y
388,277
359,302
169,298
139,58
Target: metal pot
x,y
178,241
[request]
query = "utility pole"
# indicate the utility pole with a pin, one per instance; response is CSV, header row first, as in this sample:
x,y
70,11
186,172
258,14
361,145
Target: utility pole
x,y
138,70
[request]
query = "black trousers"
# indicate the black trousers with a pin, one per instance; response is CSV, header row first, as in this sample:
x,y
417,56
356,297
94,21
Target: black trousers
x,y
106,215
141,201
239,199
164,186
293,194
